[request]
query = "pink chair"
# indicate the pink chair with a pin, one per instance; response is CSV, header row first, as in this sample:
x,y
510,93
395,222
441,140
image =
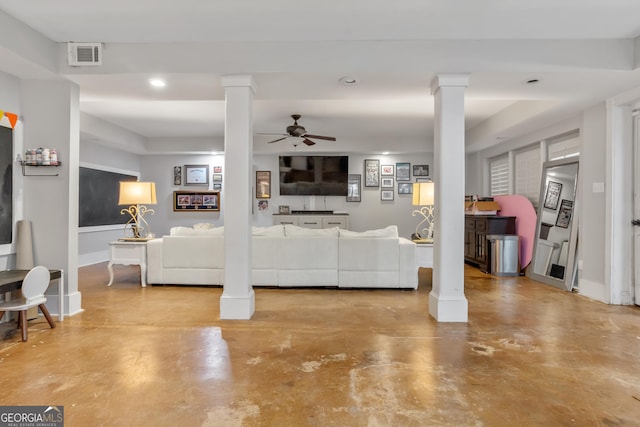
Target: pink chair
x,y
33,286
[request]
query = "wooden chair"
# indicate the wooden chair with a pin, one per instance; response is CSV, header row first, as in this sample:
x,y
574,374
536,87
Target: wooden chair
x,y
34,285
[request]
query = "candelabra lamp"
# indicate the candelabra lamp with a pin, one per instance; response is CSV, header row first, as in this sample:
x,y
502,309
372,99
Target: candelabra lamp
x,y
137,194
423,195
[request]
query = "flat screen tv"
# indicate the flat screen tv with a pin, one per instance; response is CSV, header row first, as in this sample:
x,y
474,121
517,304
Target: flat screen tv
x,y
314,175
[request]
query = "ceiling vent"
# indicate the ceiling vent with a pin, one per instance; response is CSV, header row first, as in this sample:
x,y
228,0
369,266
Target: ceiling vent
x,y
84,53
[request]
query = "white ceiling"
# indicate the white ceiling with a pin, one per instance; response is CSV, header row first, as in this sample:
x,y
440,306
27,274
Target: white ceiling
x,y
582,51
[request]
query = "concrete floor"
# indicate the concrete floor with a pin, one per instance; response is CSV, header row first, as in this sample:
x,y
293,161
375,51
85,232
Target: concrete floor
x,y
531,355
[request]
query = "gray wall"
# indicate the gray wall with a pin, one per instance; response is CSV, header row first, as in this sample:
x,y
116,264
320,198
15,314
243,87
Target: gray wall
x,y
591,250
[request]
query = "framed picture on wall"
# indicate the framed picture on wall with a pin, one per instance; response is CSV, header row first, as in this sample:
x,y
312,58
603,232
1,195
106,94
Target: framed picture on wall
x,y
420,170
386,195
177,175
552,197
405,188
263,184
353,188
564,214
403,171
372,173
196,174
193,201
386,170
386,182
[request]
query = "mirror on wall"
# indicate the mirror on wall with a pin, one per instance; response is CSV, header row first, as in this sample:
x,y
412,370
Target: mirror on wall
x,y
554,253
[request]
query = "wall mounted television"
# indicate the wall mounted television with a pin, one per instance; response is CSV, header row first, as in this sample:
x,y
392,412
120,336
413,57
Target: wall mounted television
x,y
313,175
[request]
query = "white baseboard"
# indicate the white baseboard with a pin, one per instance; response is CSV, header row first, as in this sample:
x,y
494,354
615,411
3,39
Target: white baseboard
x,y
593,290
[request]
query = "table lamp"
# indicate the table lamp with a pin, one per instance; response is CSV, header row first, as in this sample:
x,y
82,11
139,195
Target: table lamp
x,y
423,195
137,194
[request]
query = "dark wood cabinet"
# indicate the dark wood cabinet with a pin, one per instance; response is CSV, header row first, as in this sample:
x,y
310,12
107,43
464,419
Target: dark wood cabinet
x,y
476,229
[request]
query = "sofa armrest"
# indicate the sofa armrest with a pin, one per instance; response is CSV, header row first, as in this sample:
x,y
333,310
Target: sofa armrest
x,y
154,261
408,274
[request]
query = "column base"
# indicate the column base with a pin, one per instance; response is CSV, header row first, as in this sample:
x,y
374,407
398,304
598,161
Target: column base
x,y
236,307
448,309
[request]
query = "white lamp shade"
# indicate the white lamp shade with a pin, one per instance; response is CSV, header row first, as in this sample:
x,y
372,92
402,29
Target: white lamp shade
x,y
137,193
423,194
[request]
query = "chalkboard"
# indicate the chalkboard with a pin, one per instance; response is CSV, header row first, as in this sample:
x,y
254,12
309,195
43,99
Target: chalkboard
x,y
6,184
98,204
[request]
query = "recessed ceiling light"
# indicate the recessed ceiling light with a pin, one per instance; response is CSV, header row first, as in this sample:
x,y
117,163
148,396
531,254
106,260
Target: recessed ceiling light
x,y
348,80
157,82
385,153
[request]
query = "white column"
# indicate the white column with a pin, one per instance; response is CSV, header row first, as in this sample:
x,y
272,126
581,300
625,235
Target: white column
x,y
447,302
52,119
238,298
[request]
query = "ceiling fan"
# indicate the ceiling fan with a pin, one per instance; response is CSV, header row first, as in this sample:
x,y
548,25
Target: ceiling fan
x,y
297,131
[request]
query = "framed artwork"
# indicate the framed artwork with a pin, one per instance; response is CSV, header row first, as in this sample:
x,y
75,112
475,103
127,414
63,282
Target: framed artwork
x,y
192,201
420,170
386,183
403,171
372,173
552,197
217,177
564,214
283,209
386,170
263,184
217,186
353,188
386,195
423,179
196,174
217,169
177,175
405,188
263,205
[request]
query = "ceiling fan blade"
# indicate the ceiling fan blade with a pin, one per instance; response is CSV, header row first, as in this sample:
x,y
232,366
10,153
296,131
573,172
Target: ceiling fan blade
x,y
327,138
276,134
276,140
308,141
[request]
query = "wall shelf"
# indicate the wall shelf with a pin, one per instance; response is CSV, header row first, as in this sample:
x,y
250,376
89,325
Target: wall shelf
x,y
28,166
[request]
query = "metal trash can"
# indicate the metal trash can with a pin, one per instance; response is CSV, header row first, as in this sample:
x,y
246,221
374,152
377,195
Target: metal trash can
x,y
505,254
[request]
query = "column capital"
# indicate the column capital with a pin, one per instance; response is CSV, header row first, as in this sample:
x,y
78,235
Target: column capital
x,y
449,80
238,80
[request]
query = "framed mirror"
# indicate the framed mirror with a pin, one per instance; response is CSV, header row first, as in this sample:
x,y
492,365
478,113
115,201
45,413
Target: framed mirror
x,y
554,252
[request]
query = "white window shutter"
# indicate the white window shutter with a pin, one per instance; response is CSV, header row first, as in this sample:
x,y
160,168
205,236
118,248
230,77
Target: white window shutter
x,y
499,176
528,174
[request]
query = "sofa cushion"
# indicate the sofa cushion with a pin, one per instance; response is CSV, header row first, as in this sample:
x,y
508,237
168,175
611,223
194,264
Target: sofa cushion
x,y
188,231
390,231
291,230
203,225
272,231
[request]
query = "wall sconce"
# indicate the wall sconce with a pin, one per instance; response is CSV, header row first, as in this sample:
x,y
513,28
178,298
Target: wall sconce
x,y
423,195
137,194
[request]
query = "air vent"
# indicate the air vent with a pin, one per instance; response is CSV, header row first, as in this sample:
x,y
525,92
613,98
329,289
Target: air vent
x,y
85,54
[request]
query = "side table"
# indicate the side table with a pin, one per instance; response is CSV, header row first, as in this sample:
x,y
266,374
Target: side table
x,y
128,253
424,254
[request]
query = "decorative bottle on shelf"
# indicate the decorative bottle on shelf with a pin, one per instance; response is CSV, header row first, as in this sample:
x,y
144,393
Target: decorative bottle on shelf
x,y
38,156
46,159
53,157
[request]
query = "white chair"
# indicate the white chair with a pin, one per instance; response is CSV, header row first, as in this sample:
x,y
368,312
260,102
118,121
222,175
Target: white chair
x,y
33,286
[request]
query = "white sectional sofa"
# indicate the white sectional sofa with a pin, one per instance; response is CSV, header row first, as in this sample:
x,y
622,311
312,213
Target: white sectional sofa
x,y
288,256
